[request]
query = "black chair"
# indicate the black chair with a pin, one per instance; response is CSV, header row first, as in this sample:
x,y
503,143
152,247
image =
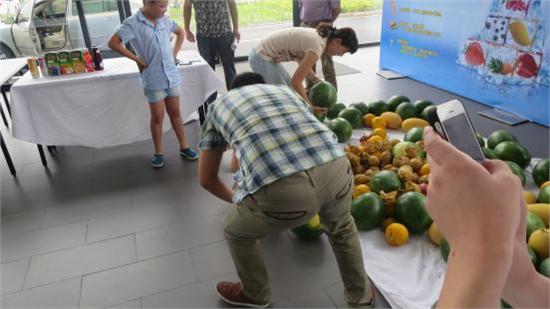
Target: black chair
x,y
7,156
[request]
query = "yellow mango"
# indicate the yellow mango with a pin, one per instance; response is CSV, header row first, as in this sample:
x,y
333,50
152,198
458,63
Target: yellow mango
x,y
413,123
541,210
394,120
520,33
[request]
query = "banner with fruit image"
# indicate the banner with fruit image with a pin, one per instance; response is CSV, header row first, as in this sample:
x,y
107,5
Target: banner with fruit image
x,y
496,52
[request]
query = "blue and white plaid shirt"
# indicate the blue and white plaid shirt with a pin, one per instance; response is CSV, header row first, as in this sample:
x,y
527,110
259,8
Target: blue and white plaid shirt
x,y
272,133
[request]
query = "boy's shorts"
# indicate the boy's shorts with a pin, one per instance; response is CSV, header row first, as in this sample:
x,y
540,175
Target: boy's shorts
x,y
154,96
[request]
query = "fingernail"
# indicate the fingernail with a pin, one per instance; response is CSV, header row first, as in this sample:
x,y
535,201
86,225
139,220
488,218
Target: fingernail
x,y
428,134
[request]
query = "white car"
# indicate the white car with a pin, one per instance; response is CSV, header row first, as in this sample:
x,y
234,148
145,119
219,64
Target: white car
x,y
43,26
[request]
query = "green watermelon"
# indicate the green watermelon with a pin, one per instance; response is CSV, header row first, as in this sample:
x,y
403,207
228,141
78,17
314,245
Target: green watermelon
x,y
360,106
511,151
533,223
353,116
500,136
414,135
445,249
544,267
334,110
378,107
367,211
311,230
540,172
323,94
480,139
342,128
394,102
427,111
410,210
533,256
421,105
386,181
544,195
321,116
516,169
488,153
406,110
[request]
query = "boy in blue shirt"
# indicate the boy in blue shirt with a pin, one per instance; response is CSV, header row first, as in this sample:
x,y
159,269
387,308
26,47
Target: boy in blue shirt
x,y
148,31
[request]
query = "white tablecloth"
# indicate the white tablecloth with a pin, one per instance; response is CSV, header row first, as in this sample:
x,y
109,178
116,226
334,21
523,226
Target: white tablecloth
x,y
100,109
9,67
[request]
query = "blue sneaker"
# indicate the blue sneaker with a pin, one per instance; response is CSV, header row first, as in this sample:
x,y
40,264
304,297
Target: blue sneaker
x,y
189,154
157,161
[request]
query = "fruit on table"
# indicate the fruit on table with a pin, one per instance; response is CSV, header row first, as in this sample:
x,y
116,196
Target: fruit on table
x,y
406,110
425,114
530,197
415,134
413,123
367,120
378,107
321,116
392,119
386,222
395,100
353,116
544,195
520,33
406,149
342,128
474,54
488,153
421,105
379,123
380,132
541,171
360,106
544,267
499,67
311,230
396,234
542,210
386,181
533,256
511,151
445,249
526,66
424,170
334,110
545,184
533,223
323,94
411,211
500,136
367,211
434,234
517,170
540,242
360,189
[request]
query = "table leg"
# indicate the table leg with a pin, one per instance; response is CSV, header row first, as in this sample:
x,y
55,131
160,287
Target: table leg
x,y
6,100
8,157
42,155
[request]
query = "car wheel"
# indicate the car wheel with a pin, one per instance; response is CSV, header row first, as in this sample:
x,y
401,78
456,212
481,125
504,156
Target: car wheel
x,y
5,52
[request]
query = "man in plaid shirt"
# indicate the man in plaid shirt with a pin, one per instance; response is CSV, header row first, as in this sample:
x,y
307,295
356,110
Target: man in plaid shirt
x,y
290,168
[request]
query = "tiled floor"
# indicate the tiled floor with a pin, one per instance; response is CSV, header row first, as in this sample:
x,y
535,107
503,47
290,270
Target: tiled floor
x,y
100,228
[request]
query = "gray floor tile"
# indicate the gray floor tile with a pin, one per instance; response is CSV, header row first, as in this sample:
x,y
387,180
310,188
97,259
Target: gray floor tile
x,y
22,221
83,209
315,299
139,219
82,260
42,241
197,295
13,275
212,260
133,304
58,295
187,233
136,280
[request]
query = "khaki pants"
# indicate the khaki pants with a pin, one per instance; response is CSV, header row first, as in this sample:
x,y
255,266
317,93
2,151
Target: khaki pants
x,y
290,202
326,62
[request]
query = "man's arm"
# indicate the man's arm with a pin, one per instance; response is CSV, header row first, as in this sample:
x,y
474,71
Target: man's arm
x,y
187,6
180,36
115,43
335,5
209,165
234,18
303,71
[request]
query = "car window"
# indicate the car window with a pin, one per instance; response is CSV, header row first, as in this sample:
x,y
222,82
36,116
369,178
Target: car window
x,y
25,12
96,6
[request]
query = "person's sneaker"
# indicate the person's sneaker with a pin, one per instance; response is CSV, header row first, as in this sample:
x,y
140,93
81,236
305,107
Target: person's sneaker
x,y
370,304
189,154
157,161
231,293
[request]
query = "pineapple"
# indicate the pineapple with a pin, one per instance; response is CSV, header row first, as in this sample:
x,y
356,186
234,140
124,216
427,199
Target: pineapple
x,y
498,67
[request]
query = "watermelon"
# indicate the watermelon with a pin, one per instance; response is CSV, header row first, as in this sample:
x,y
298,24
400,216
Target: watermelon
x,y
500,136
406,110
360,106
323,94
410,210
386,181
541,171
394,101
367,211
334,110
421,105
518,171
342,128
378,107
445,249
311,230
414,135
511,151
353,116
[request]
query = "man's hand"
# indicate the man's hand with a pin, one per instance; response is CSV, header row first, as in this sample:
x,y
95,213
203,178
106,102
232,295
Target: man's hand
x,y
319,110
141,64
237,34
189,36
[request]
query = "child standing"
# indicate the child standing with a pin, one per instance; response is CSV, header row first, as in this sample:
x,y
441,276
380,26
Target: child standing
x,y
148,31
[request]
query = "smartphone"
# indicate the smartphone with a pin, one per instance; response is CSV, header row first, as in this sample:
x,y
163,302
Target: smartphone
x,y
452,122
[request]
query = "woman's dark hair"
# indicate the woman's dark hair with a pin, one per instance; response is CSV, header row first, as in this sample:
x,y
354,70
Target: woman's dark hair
x,y
347,35
245,79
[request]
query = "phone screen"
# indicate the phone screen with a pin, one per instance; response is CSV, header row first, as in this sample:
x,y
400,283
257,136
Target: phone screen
x,y
460,134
